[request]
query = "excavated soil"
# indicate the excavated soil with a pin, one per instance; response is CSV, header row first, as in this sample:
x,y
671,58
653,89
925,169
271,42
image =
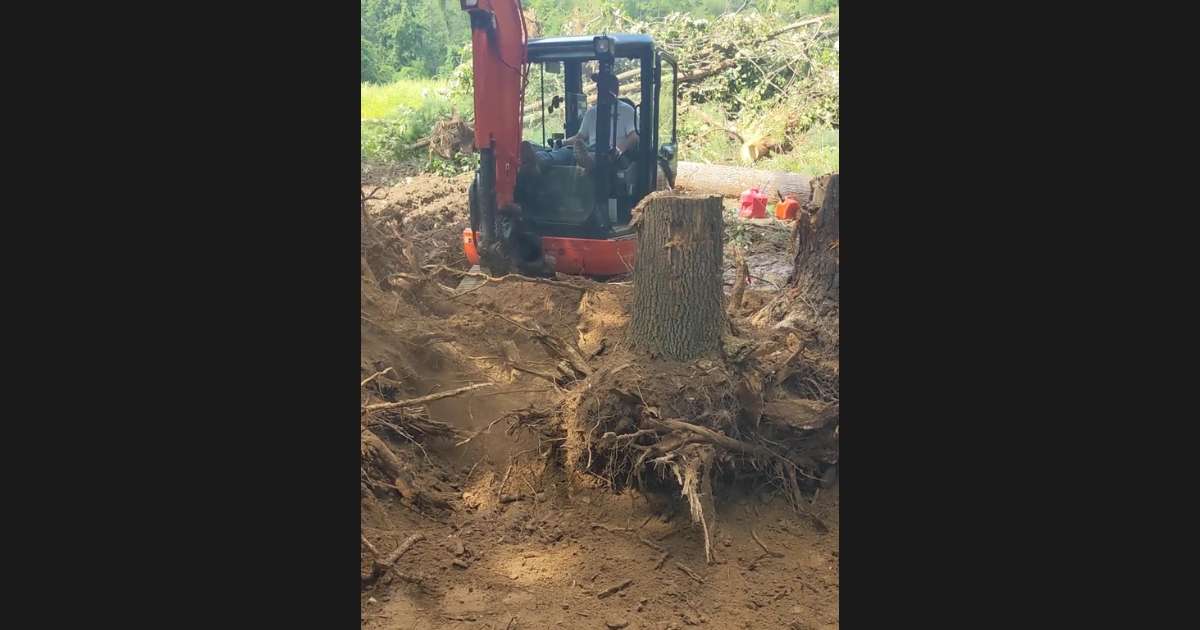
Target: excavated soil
x,y
545,559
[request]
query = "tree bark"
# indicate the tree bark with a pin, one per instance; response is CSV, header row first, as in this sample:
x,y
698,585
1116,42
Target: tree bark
x,y
730,181
815,267
739,282
811,301
677,295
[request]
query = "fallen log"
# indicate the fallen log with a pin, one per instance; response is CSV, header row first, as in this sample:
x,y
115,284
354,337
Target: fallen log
x,y
730,181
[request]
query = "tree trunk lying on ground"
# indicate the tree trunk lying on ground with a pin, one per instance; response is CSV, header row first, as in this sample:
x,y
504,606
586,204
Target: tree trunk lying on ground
x,y
730,181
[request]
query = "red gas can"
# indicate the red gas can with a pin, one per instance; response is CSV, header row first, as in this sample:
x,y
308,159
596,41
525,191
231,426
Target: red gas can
x,y
754,205
786,210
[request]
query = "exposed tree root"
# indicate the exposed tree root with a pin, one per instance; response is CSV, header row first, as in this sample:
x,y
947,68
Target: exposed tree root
x,y
382,566
613,589
423,399
512,277
692,468
690,573
618,423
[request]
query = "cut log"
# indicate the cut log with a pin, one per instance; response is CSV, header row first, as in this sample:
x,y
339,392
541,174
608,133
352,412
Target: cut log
x,y
730,181
677,294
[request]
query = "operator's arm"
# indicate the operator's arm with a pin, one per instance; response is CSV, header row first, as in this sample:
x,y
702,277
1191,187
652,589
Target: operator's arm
x,y
588,122
627,135
579,137
624,144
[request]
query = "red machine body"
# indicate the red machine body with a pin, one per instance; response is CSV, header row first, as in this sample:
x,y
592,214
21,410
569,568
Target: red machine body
x,y
557,217
580,256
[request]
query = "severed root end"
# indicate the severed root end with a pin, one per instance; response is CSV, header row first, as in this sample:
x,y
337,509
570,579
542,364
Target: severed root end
x,y
693,470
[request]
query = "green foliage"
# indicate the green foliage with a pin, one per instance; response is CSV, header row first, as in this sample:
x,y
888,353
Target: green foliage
x,y
373,68
416,66
462,78
457,165
779,84
428,36
816,153
384,101
738,233
399,114
412,38
382,141
554,86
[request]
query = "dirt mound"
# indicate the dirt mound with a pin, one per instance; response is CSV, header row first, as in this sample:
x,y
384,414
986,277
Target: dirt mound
x,y
426,202
388,173
423,216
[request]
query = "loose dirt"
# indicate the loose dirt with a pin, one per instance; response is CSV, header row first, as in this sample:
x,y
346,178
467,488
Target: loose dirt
x,y
509,542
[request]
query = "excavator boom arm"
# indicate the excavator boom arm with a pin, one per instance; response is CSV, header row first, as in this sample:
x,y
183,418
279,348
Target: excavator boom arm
x,y
498,45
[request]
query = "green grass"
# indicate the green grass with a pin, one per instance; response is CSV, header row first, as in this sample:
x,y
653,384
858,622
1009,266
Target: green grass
x,y
412,106
815,153
408,109
392,99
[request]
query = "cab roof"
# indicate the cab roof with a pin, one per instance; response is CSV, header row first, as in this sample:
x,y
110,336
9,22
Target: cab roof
x,y
582,47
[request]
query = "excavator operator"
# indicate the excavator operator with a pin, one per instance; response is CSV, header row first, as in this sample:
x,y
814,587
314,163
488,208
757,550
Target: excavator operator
x,y
580,149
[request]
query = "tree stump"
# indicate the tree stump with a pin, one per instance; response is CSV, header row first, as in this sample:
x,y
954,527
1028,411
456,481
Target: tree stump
x,y
811,300
677,294
815,267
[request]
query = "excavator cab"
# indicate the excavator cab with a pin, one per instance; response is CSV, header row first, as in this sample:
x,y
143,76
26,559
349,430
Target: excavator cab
x,y
569,218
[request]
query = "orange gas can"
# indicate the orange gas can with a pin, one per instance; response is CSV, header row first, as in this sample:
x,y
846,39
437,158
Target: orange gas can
x,y
786,210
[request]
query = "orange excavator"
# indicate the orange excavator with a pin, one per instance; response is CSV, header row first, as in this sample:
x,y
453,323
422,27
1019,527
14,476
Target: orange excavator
x,y
564,203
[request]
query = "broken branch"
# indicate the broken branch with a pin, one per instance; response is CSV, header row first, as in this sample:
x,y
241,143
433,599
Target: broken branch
x,y
372,377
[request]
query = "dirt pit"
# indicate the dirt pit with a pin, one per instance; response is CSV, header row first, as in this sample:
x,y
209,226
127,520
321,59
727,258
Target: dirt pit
x,y
508,539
